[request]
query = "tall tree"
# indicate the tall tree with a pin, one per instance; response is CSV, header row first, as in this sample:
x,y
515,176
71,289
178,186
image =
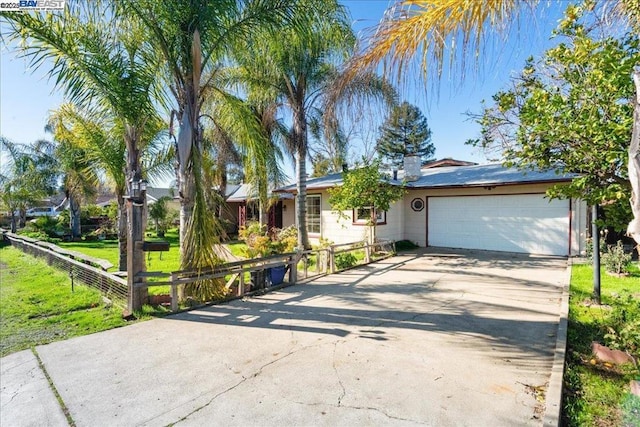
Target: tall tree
x,y
25,178
453,31
103,65
194,39
405,132
79,180
571,110
296,65
299,66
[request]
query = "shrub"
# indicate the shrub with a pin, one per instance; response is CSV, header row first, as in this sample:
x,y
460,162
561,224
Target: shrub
x,y
44,228
616,260
623,325
345,260
260,244
287,238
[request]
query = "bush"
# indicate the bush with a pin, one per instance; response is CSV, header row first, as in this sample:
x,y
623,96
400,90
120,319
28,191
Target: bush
x,y
44,228
261,244
616,260
345,260
623,325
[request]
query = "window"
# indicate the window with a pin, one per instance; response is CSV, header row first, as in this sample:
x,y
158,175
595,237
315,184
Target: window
x,y
253,211
363,216
313,214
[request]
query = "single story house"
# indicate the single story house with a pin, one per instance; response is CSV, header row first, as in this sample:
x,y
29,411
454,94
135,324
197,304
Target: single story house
x,y
469,206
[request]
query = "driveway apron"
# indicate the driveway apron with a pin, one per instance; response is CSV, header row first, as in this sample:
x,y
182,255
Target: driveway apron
x,y
434,337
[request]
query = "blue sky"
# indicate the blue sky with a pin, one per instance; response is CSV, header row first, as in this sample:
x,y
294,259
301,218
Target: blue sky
x,y
26,96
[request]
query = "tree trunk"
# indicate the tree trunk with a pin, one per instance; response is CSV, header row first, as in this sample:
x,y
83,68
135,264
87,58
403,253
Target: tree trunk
x,y
300,141
74,217
634,163
184,177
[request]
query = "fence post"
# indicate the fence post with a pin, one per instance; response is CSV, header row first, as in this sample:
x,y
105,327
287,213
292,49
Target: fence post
x,y
367,253
306,266
174,294
332,260
241,284
293,270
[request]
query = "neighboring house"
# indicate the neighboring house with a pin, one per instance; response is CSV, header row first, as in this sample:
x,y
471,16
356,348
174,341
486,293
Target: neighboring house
x,y
486,207
243,207
154,194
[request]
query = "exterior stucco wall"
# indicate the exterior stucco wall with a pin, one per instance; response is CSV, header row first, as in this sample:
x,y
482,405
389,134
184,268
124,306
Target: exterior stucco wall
x,y
342,230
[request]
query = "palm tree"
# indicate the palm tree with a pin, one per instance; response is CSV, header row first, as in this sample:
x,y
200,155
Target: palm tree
x,y
427,29
79,180
100,139
26,177
104,66
194,39
298,67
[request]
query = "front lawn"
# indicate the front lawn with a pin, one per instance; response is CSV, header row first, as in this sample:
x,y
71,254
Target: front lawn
x,y
38,306
108,249
595,393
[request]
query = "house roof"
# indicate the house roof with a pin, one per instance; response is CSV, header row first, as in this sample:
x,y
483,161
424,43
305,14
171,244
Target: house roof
x,y
447,162
154,194
245,192
452,176
481,175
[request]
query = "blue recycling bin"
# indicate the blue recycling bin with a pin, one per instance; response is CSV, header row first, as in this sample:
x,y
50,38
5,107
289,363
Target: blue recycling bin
x,y
276,274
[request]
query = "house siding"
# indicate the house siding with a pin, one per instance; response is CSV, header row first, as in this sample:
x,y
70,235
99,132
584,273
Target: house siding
x,y
403,223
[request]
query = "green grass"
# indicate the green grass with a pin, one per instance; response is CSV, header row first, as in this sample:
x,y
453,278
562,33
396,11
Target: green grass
x,y
37,305
596,394
165,262
103,249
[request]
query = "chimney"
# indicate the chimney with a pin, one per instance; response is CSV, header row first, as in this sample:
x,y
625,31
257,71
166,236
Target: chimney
x,y
412,168
395,175
345,167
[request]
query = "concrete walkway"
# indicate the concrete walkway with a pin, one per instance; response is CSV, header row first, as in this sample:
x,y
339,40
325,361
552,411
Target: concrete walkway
x,y
431,338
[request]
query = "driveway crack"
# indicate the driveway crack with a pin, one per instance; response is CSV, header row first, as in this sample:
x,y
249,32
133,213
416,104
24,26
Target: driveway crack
x,y
335,369
242,381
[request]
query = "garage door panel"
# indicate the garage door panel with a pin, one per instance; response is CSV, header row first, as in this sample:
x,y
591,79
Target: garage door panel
x,y
514,223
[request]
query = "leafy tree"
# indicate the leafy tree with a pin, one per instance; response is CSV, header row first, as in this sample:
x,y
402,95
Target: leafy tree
x,y
105,67
194,39
571,111
79,181
405,132
417,29
297,67
159,213
26,177
321,165
365,187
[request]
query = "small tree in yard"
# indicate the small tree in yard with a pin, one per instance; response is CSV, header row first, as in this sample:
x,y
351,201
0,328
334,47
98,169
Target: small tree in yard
x,y
159,213
365,187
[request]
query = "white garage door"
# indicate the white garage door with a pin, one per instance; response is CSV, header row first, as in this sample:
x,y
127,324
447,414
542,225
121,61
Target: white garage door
x,y
517,223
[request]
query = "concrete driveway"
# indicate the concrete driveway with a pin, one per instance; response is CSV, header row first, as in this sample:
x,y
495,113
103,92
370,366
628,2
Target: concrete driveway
x,y
430,338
